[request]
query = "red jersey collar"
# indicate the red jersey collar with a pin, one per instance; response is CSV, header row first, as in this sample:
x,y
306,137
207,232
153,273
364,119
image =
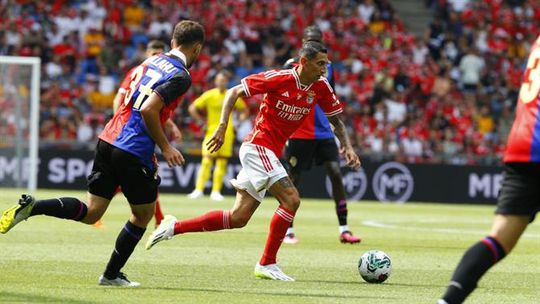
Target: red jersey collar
x,y
298,83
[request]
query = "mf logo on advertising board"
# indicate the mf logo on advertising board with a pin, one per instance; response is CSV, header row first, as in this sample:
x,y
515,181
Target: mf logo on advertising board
x,y
355,183
485,185
393,182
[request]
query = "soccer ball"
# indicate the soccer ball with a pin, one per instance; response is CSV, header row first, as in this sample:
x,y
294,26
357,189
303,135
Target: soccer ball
x,y
375,266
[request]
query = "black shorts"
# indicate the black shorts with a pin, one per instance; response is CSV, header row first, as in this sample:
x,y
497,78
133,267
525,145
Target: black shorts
x,y
301,153
520,192
113,167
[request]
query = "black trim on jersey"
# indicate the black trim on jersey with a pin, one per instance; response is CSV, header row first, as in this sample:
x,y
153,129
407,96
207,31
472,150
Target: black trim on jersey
x,y
174,87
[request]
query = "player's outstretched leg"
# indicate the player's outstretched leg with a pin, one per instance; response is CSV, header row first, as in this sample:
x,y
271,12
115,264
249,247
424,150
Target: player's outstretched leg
x,y
17,213
210,221
64,207
338,193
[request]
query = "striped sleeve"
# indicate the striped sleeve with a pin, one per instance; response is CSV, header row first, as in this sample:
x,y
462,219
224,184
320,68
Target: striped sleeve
x,y
260,83
327,100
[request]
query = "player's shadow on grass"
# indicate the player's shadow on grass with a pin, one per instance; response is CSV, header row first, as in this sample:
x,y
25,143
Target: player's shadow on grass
x,y
268,293
16,297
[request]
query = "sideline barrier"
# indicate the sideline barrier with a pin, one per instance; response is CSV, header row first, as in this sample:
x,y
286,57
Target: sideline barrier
x,y
382,181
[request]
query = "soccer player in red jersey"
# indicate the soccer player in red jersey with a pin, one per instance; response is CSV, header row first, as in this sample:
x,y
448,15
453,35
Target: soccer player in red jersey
x,y
312,142
125,152
289,97
519,200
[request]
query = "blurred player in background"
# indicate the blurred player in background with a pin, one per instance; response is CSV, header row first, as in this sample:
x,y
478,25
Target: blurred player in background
x,y
519,199
153,48
312,142
289,96
125,152
211,102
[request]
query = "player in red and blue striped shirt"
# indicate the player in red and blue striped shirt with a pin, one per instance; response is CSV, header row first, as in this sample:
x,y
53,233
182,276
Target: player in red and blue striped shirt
x,y
125,152
519,200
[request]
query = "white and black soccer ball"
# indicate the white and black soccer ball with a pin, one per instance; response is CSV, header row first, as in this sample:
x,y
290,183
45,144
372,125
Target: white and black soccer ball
x,y
375,266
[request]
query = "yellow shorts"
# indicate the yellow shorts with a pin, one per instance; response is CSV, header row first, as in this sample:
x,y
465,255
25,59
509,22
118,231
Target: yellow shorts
x,y
225,150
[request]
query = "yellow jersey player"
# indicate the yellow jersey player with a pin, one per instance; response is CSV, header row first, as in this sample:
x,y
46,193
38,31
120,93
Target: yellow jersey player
x,y
211,102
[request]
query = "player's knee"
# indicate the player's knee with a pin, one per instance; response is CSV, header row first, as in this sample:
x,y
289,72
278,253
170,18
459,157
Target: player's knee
x,y
292,200
93,215
142,217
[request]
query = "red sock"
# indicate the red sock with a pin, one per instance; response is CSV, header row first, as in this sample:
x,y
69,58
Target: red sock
x,y
279,224
159,214
210,221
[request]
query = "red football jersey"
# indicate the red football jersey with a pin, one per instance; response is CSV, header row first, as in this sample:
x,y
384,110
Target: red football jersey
x,y
524,138
285,105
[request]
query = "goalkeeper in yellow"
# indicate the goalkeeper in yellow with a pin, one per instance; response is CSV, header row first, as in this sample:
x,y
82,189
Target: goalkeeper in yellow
x,y
211,102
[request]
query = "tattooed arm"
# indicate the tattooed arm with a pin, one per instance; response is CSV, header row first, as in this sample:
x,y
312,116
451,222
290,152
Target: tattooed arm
x,y
351,157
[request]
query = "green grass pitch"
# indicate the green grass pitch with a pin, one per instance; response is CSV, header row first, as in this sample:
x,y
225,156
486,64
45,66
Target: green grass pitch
x,y
47,260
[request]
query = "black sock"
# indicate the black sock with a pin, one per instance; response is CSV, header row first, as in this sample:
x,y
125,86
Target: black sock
x,y
125,244
65,207
342,212
474,264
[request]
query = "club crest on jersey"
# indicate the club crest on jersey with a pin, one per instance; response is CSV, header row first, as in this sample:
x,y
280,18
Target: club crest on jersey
x,y
310,96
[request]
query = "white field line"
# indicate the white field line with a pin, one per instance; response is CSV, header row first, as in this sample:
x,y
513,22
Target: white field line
x,y
377,224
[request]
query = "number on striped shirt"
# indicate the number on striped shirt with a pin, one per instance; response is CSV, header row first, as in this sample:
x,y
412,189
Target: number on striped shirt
x,y
531,84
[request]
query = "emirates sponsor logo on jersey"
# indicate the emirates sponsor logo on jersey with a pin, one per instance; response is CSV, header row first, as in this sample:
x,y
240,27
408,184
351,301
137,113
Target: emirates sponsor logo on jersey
x,y
291,112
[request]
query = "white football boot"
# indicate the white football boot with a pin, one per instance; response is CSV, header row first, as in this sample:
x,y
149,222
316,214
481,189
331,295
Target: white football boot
x,y
120,280
271,272
164,232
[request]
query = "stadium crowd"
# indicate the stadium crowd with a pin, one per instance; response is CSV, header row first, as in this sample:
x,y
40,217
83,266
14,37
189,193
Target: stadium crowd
x,y
445,96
